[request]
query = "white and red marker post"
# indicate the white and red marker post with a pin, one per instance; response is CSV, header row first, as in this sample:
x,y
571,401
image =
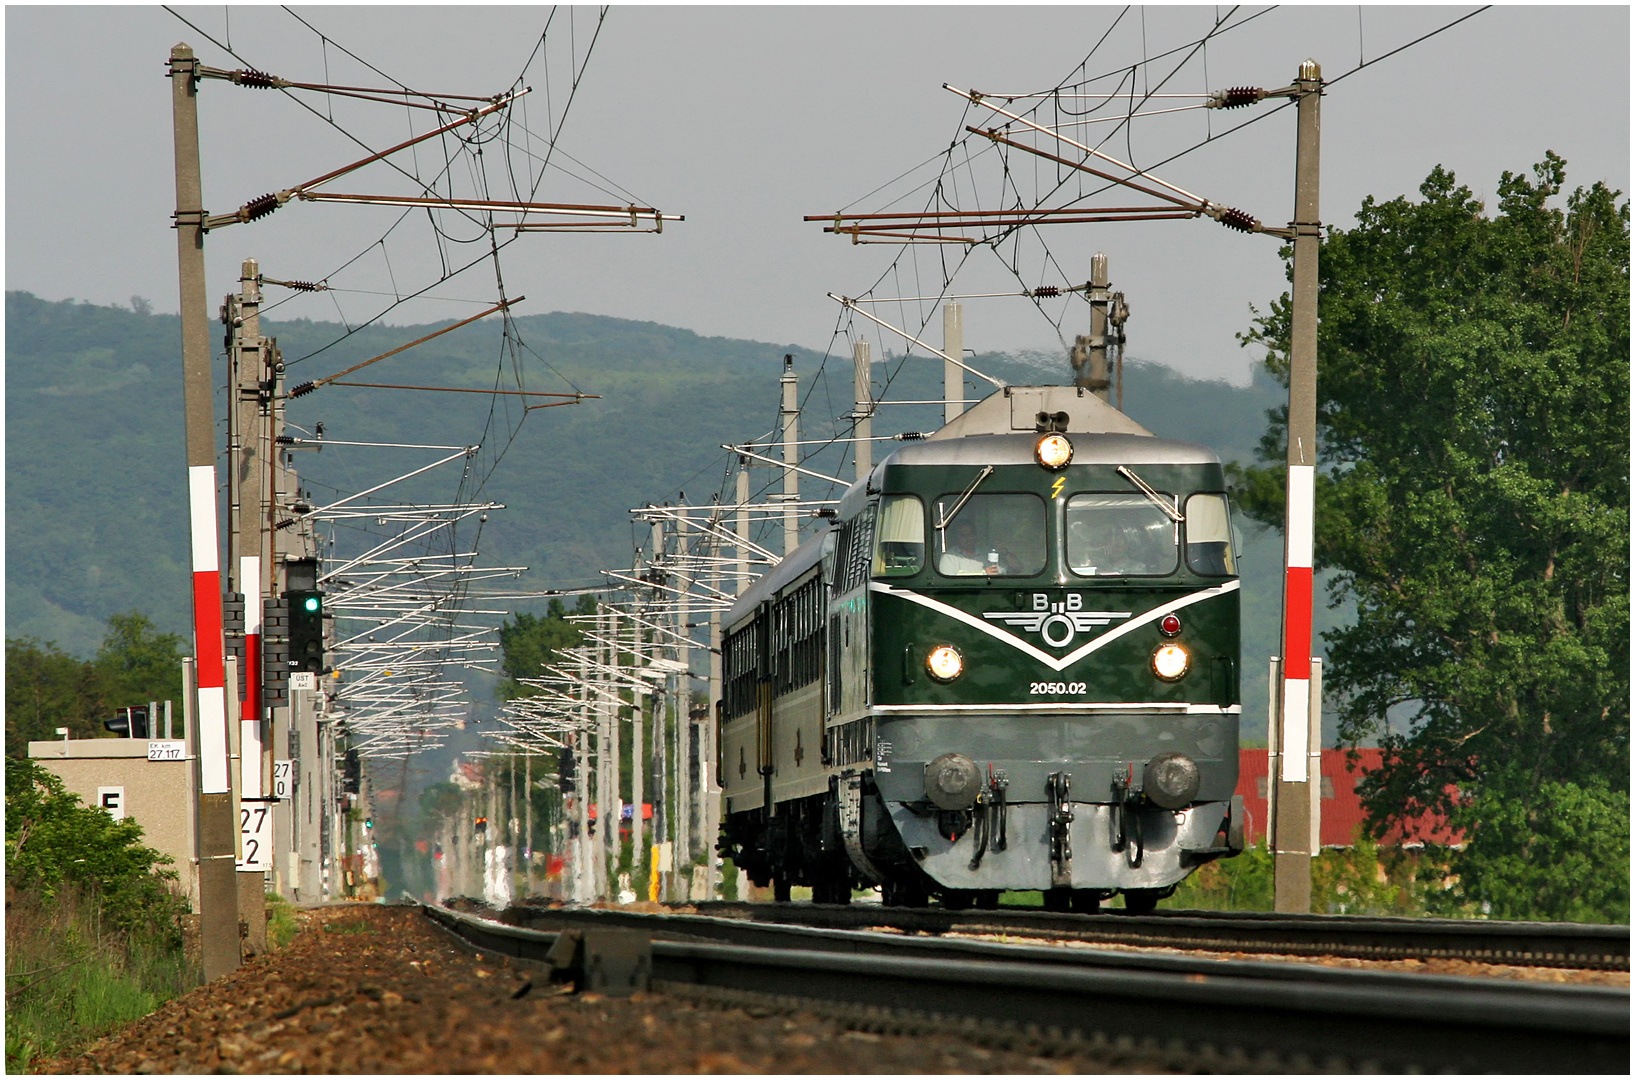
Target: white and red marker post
x,y
250,711
1297,607
214,777
1292,832
217,828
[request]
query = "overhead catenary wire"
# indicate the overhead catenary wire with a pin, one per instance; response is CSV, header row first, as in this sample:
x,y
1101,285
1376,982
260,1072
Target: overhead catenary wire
x,y
445,597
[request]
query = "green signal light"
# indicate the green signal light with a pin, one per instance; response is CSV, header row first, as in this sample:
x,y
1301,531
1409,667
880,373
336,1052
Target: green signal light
x,y
311,603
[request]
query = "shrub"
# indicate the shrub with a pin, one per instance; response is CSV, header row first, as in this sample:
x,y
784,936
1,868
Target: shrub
x,y
93,923
52,840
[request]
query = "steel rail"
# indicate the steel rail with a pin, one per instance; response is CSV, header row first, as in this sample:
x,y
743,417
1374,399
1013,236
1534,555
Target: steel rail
x,y
783,935
1525,944
1340,1017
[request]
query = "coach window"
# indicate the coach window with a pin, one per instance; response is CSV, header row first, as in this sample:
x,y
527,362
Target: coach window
x,y
1209,536
900,549
989,535
1119,534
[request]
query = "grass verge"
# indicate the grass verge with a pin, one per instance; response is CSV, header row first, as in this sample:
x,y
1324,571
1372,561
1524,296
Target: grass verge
x,y
71,978
281,924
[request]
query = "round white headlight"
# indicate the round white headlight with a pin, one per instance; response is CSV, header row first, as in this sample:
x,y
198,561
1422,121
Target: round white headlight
x,y
1169,661
1053,451
944,663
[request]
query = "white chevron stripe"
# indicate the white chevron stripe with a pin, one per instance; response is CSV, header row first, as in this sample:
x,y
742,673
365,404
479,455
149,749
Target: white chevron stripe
x,y
1039,654
1067,707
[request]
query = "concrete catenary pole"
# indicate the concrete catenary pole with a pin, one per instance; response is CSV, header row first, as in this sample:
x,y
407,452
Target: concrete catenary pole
x,y
707,778
681,786
247,417
862,409
1097,373
641,708
659,782
603,741
613,805
1292,866
218,840
584,879
741,493
953,348
789,413
284,724
528,822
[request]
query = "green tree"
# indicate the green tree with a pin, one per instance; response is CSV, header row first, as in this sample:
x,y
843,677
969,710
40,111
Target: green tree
x,y
46,688
1473,501
440,801
530,644
138,663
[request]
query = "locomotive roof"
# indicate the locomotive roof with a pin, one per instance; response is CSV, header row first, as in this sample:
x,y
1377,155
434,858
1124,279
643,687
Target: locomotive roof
x,y
1000,430
1088,449
1023,408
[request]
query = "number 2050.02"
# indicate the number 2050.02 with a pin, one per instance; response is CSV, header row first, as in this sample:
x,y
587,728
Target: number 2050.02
x,y
1056,688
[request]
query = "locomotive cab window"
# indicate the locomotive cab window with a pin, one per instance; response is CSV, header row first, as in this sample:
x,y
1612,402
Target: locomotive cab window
x,y
1119,534
1209,536
900,548
989,535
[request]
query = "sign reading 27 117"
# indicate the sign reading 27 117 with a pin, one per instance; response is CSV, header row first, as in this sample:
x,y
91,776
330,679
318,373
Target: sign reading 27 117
x,y
166,750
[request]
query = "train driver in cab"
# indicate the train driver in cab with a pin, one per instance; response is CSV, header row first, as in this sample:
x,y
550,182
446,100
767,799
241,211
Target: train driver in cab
x,y
962,555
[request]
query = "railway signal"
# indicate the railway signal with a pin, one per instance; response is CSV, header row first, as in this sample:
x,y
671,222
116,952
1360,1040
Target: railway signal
x,y
306,648
130,723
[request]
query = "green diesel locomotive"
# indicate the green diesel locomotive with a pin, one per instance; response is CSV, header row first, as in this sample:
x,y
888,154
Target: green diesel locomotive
x,y
1008,662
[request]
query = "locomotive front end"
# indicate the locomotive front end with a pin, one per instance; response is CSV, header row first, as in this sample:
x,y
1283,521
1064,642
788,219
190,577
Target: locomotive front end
x,y
1053,647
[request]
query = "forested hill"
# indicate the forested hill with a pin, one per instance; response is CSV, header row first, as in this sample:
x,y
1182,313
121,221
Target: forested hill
x,y
95,480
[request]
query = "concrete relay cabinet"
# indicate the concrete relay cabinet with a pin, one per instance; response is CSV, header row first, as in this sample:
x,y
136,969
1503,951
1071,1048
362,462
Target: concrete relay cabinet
x,y
117,775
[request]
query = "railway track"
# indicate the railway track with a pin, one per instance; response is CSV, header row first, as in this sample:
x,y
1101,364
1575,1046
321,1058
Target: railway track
x,y
1210,1012
1524,944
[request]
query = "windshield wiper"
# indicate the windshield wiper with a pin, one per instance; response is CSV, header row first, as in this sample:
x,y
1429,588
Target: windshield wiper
x,y
1146,489
981,476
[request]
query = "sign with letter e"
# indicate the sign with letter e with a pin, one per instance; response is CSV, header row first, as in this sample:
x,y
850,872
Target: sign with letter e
x,y
112,799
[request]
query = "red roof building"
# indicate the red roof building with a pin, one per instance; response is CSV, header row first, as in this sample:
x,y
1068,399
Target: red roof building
x,y
1343,817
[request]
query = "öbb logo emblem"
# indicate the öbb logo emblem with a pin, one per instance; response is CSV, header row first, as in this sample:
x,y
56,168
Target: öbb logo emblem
x,y
1056,621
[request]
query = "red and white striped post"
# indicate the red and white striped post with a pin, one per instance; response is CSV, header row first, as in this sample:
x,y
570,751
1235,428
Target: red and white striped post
x,y
218,826
1292,827
1300,513
207,630
250,713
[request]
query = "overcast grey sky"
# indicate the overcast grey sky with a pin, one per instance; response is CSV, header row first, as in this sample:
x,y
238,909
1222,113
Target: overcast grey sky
x,y
746,118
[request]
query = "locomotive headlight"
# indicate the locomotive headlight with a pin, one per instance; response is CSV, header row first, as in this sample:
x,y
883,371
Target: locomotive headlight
x,y
1170,661
944,663
1053,451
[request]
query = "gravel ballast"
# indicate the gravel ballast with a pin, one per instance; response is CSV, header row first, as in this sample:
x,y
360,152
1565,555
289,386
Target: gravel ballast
x,y
377,989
